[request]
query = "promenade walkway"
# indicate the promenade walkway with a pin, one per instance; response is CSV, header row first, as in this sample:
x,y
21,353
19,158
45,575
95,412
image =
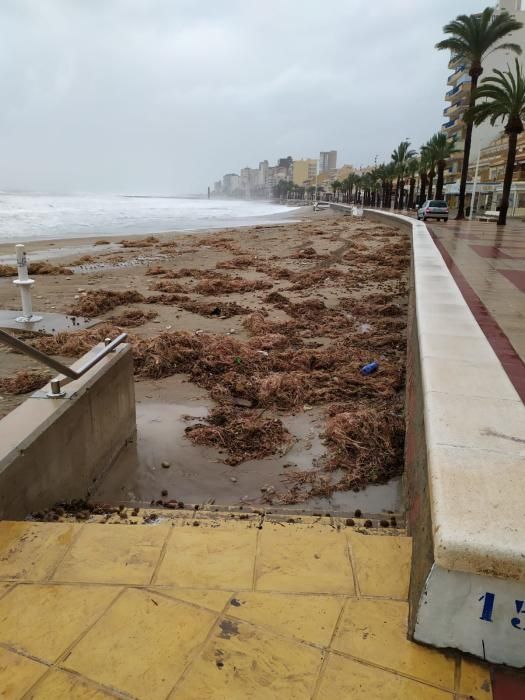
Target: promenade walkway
x,y
488,265
238,607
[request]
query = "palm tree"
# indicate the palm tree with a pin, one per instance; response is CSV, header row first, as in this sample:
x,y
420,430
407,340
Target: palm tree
x,y
505,100
424,167
400,156
471,38
358,181
440,149
336,186
386,174
429,157
412,170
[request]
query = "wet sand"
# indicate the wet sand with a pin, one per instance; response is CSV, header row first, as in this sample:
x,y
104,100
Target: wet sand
x,y
165,407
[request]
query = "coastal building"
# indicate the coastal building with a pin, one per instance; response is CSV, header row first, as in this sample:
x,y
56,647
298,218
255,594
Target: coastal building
x,y
304,170
262,173
343,172
230,183
489,184
327,161
458,95
249,181
285,166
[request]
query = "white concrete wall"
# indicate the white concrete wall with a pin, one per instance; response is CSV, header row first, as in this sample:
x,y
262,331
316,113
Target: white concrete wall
x,y
474,437
56,449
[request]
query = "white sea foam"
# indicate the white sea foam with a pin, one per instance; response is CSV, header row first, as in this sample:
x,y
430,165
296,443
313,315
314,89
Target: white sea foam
x,y
42,216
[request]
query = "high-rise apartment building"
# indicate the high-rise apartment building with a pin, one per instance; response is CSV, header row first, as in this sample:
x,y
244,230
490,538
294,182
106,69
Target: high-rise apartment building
x,y
230,183
303,170
327,161
458,96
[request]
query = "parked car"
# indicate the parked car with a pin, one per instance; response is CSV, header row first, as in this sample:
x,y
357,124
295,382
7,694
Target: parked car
x,y
433,209
321,205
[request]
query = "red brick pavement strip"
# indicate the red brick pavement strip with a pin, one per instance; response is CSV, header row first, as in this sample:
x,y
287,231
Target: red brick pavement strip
x,y
510,360
507,686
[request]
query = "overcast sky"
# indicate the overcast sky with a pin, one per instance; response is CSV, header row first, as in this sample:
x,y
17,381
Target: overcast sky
x,y
164,96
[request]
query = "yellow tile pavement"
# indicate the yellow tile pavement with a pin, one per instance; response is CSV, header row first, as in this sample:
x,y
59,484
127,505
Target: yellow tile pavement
x,y
375,631
216,611
142,644
17,674
474,680
242,661
308,618
211,600
113,554
305,560
346,679
209,558
43,620
31,551
382,564
59,685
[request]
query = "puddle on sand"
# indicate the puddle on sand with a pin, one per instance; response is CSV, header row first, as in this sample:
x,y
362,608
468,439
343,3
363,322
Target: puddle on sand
x,y
196,475
49,323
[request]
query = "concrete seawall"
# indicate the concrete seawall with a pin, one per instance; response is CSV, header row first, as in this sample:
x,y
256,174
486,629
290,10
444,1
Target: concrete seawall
x,y
464,462
55,449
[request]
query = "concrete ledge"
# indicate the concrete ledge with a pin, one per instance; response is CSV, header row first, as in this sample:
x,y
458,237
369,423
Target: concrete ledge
x,y
54,449
465,461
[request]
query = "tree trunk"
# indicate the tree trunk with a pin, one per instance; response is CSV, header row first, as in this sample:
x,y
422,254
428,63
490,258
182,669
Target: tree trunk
x,y
430,181
475,72
440,178
507,182
423,189
401,194
410,204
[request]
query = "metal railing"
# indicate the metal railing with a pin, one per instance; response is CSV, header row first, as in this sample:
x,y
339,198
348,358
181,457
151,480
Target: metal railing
x,y
68,372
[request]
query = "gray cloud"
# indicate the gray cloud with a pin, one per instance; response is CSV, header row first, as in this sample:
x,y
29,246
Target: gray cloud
x,y
164,96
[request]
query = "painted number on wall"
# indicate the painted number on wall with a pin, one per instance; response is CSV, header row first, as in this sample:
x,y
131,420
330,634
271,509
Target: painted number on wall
x,y
487,611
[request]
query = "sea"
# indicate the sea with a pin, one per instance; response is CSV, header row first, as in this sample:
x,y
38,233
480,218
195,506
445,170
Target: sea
x,y
33,217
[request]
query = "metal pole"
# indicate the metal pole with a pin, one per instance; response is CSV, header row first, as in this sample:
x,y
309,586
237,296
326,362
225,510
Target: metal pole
x,y
474,187
20,346
24,283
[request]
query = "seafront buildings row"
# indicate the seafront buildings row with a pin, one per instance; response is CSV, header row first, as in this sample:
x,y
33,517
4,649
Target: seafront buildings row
x,y
487,159
307,173
489,144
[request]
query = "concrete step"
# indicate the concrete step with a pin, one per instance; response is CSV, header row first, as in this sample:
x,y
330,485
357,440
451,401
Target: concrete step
x,y
165,509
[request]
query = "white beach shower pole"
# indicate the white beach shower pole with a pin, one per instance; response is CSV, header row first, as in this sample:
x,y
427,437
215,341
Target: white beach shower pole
x,y
24,283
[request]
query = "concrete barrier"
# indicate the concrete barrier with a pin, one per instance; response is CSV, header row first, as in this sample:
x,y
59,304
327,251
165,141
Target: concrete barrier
x,y
55,449
465,466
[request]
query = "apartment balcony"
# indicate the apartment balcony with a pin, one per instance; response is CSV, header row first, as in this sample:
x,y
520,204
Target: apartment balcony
x,y
454,109
457,74
460,90
460,146
449,124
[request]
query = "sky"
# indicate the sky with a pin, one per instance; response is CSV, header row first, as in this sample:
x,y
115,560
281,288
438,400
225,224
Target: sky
x,y
165,96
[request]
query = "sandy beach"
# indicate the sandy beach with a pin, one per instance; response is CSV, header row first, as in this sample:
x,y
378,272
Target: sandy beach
x,y
248,347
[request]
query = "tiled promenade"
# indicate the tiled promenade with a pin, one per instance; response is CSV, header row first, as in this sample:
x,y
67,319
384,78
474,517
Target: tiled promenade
x,y
229,610
488,264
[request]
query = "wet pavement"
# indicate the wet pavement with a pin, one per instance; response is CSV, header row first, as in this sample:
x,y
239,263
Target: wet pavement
x,y
488,264
195,473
